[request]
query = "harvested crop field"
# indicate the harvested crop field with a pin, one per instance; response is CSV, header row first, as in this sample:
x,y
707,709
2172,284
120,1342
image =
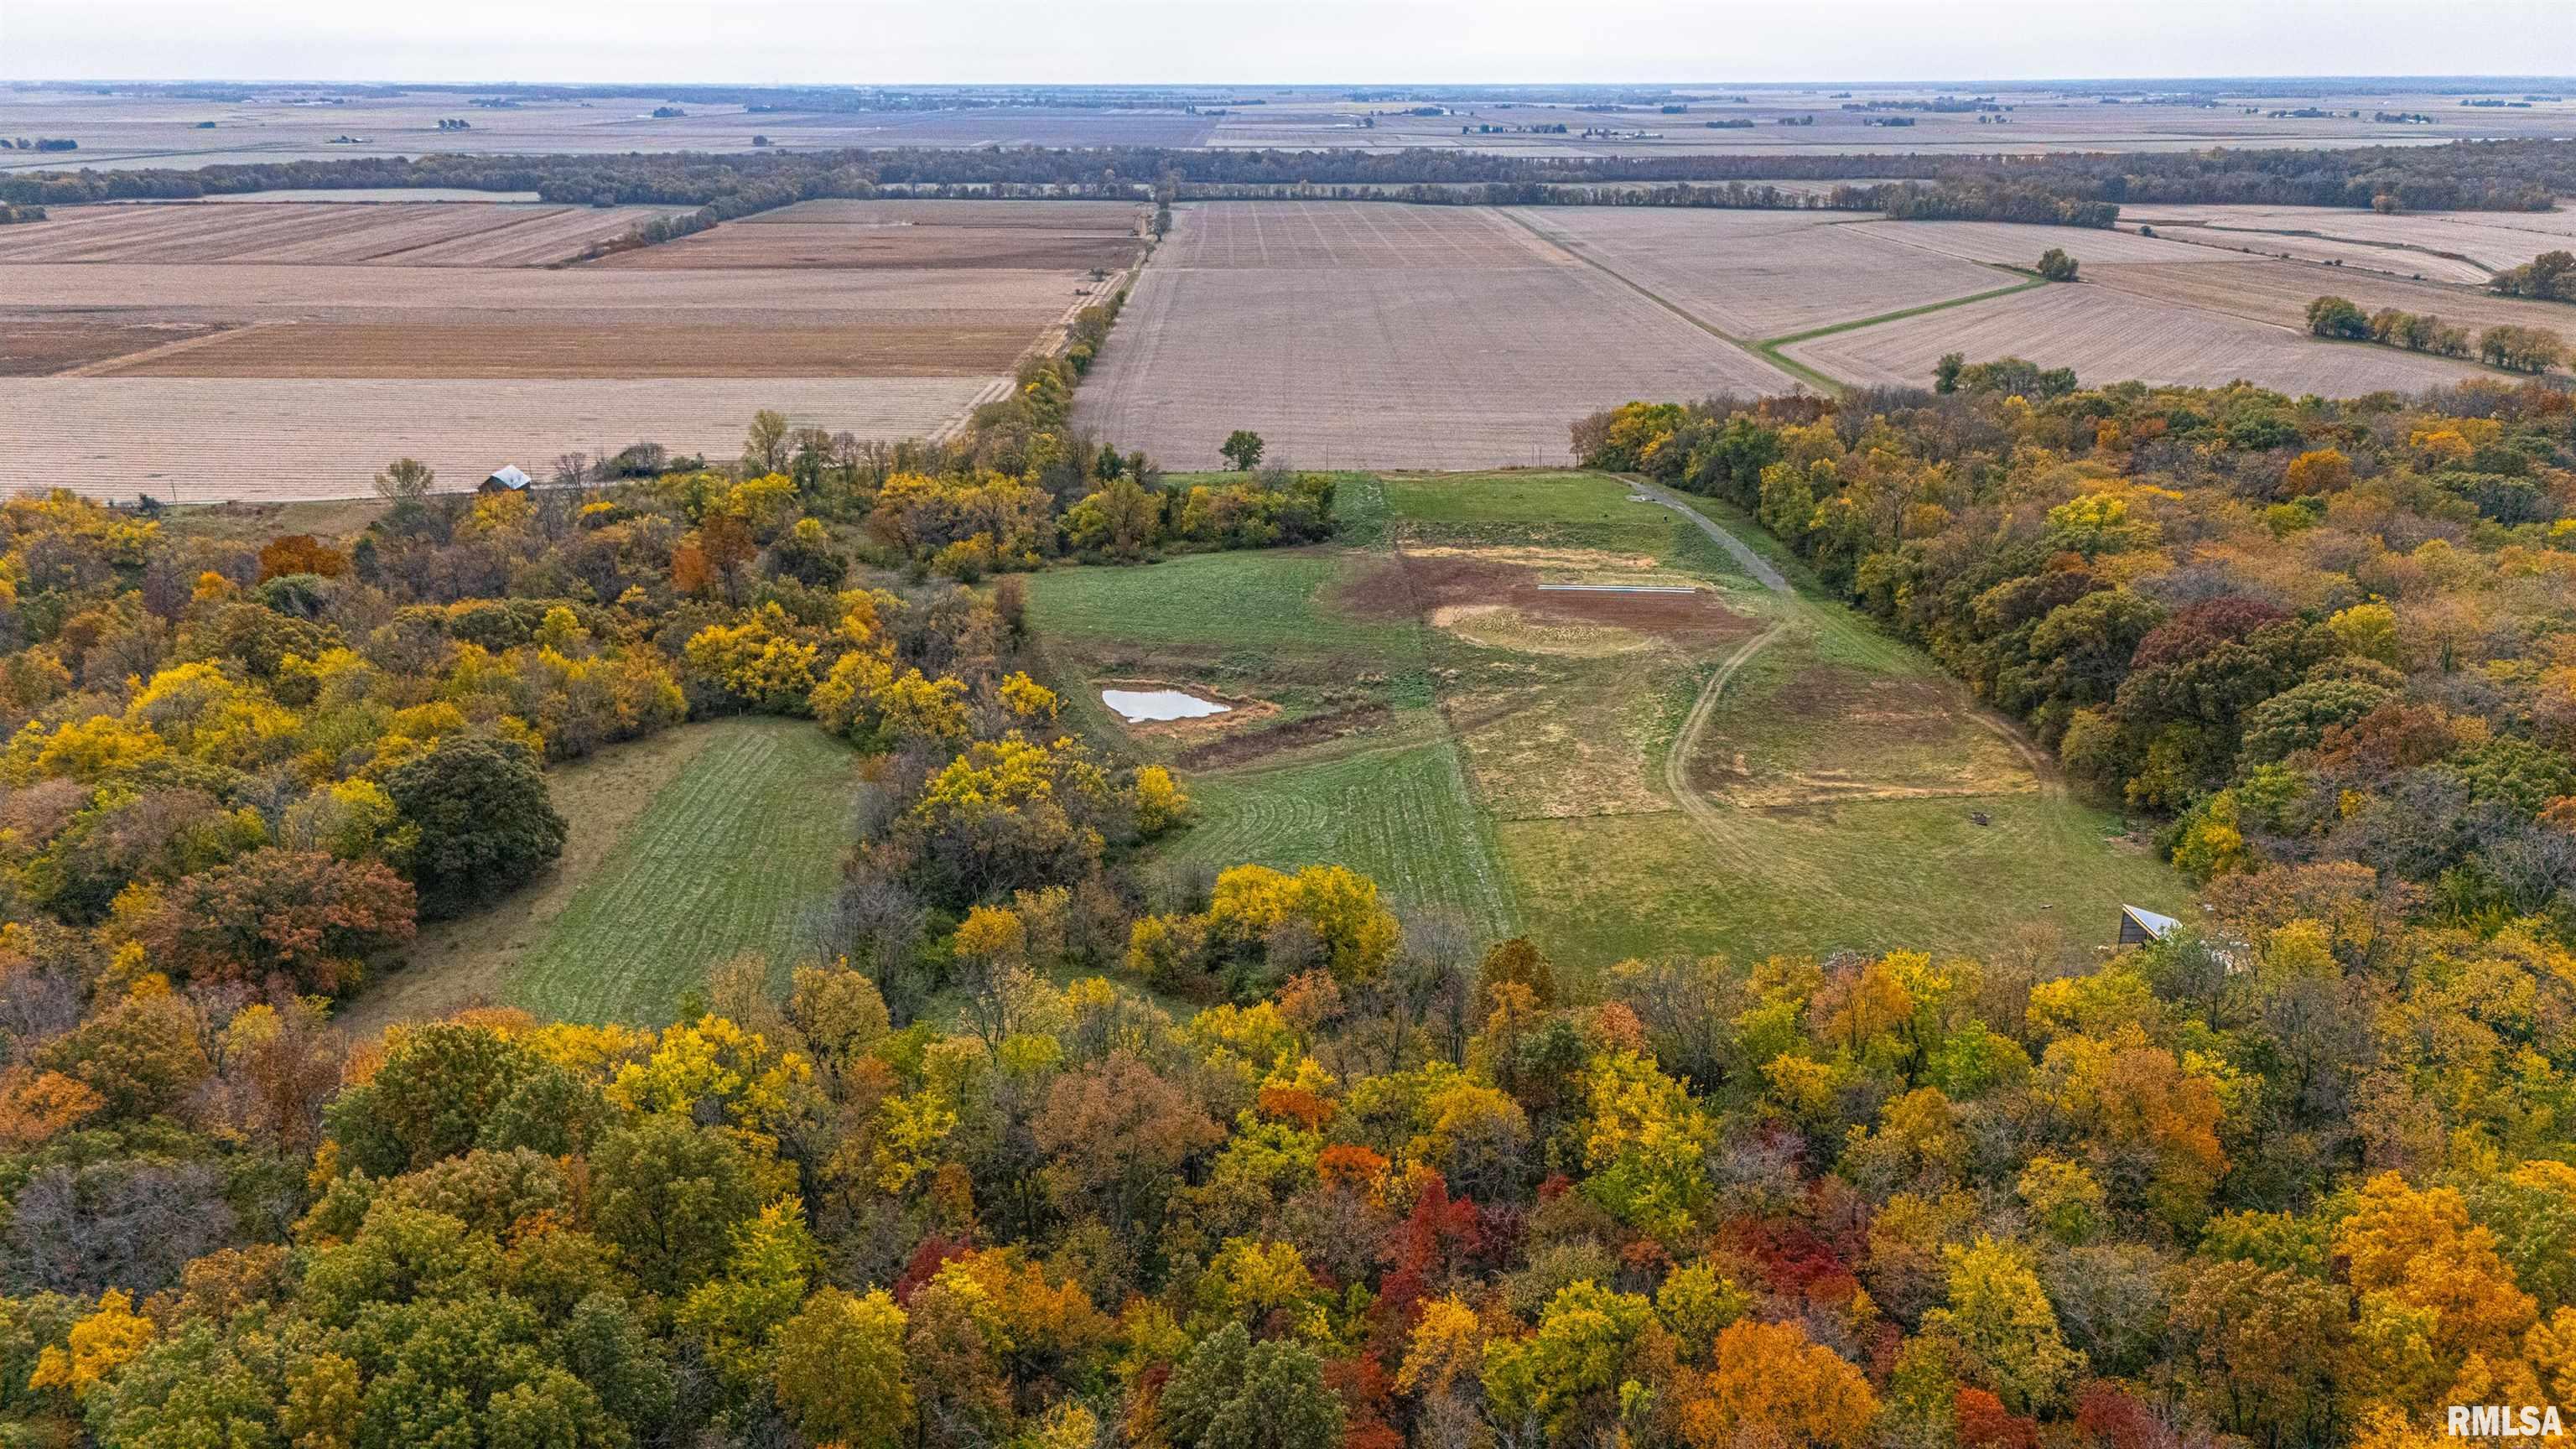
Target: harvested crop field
x,y
2279,292
33,344
582,349
2015,244
2493,239
198,440
1759,274
458,234
1115,218
2397,261
1366,334
270,367
1348,236
2108,335
780,299
842,247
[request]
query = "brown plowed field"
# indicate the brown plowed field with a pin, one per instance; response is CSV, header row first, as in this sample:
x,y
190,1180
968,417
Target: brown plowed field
x,y
314,234
2496,239
838,247
2015,244
1349,235
1114,218
2280,292
2110,336
1380,335
34,344
198,440
289,350
1762,274
784,296
639,349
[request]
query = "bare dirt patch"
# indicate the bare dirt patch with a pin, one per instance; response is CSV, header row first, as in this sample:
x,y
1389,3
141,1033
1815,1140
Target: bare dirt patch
x,y
1494,597
1244,746
1508,627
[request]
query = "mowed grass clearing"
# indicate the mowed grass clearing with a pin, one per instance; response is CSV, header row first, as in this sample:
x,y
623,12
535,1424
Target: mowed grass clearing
x,y
1836,784
737,855
1404,816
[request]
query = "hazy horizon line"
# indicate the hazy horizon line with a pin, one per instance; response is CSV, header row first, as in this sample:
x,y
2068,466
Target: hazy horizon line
x,y
1809,83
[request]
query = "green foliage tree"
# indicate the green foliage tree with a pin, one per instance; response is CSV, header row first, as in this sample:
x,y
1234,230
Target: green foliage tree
x,y
486,822
1242,450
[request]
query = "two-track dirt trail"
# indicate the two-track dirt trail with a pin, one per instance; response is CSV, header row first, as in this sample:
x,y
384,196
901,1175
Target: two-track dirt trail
x,y
1686,744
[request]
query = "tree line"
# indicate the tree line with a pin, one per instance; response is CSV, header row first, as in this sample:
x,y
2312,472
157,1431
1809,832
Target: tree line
x,y
2467,175
2507,345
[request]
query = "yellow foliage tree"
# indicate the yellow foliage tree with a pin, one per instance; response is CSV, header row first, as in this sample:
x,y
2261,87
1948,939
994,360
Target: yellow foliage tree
x,y
99,1345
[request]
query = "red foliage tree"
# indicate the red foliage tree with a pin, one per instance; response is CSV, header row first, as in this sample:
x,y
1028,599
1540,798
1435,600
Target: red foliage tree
x,y
291,919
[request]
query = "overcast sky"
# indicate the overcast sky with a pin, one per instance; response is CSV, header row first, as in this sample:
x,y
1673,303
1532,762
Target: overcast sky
x,y
1251,41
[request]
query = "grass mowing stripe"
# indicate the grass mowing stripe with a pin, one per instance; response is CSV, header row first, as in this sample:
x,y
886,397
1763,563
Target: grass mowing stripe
x,y
739,854
1405,818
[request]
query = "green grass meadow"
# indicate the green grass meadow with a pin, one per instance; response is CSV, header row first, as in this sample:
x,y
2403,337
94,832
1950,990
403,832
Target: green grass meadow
x,y
1843,771
740,853
1404,816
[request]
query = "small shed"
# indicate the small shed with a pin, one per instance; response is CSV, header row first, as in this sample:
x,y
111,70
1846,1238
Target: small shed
x,y
505,479
2138,926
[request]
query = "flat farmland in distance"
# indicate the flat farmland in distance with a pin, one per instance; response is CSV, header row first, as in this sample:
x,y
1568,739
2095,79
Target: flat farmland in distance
x,y
1115,218
2017,244
2108,336
1385,335
2371,256
1348,236
2279,292
781,297
1761,274
2491,239
456,234
887,347
291,350
205,439
33,344
847,247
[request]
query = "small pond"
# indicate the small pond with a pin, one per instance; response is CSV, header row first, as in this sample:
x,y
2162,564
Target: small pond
x,y
1139,705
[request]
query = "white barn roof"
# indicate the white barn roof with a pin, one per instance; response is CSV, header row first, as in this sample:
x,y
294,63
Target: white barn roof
x,y
2149,922
508,476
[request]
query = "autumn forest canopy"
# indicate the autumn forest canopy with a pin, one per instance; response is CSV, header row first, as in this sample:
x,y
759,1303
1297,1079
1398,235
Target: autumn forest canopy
x,y
1048,1130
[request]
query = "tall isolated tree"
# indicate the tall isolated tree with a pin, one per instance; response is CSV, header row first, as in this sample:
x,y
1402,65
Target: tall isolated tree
x,y
1243,449
405,480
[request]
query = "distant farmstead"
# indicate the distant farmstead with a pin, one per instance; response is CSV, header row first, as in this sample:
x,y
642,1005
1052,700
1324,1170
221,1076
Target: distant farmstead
x,y
505,479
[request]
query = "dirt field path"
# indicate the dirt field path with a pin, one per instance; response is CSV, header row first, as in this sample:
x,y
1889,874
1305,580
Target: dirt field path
x,y
1686,743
